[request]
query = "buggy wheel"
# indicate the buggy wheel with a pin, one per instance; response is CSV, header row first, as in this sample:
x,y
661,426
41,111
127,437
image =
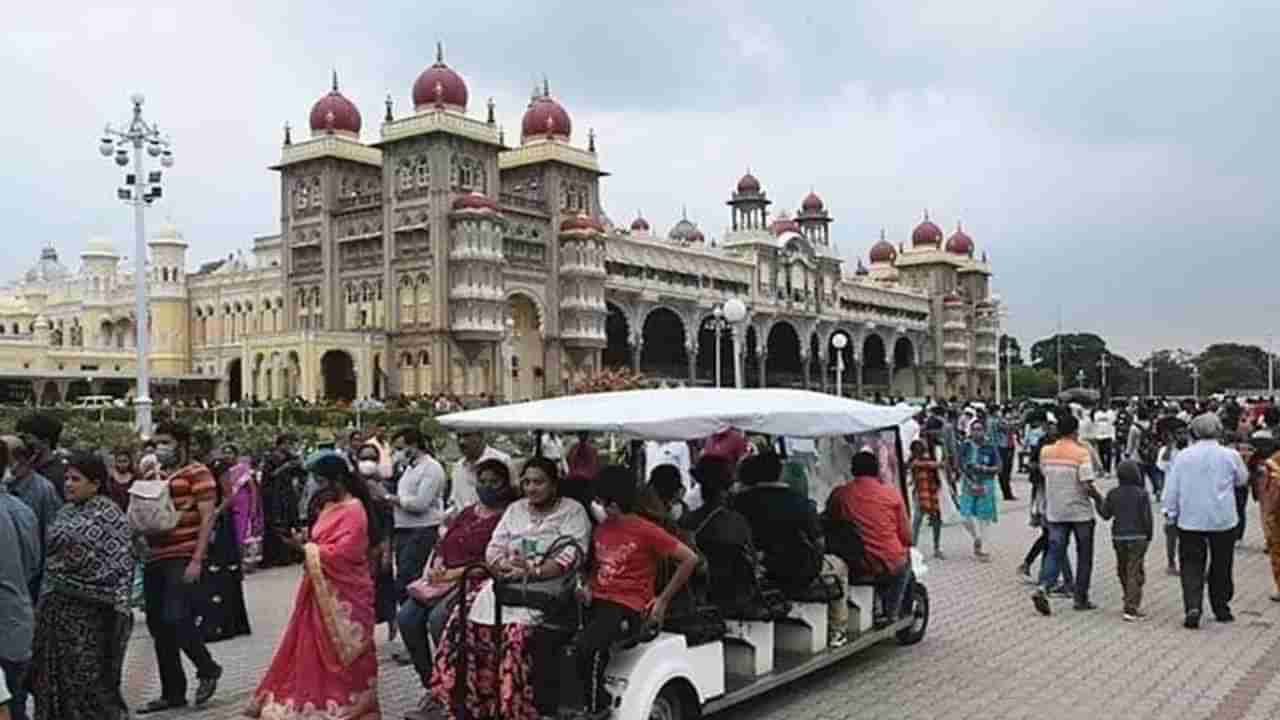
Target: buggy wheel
x,y
919,616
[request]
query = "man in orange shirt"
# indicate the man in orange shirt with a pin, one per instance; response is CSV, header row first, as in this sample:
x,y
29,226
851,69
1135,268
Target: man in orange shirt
x,y
172,576
880,514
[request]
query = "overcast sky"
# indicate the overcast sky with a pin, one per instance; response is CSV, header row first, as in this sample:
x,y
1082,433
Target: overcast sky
x,y
1116,160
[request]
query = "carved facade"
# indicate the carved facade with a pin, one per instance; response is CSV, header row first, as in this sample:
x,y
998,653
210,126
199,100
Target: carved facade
x,y
439,259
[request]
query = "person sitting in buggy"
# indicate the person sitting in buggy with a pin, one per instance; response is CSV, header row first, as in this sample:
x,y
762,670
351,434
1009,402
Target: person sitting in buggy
x,y
620,595
879,547
497,653
784,524
723,537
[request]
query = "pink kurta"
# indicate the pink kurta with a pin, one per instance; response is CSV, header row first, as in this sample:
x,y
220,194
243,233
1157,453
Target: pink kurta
x,y
326,666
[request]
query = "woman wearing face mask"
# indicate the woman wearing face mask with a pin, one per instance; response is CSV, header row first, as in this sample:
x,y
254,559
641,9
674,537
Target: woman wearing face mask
x,y
433,596
245,506
83,618
517,550
380,520
326,658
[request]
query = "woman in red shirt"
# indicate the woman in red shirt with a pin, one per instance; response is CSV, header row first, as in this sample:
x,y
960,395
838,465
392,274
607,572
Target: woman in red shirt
x,y
620,595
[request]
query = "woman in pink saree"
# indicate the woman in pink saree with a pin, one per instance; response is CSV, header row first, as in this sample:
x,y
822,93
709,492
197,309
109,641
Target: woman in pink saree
x,y
245,508
326,667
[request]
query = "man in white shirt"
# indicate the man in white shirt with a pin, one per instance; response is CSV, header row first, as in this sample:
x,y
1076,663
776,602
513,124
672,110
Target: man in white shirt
x,y
475,450
417,506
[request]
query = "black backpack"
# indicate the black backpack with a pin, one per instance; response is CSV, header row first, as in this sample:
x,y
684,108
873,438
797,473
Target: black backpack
x,y
844,540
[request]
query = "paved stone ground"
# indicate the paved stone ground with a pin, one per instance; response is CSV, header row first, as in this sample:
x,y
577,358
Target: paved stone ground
x,y
987,655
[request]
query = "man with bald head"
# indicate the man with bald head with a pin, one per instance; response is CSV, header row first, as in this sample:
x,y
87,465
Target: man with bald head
x,y
1200,497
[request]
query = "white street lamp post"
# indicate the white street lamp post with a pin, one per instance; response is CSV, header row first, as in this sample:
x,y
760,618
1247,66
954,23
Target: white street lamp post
x,y
1195,381
839,341
1080,377
735,311
1151,377
718,326
116,143
1104,363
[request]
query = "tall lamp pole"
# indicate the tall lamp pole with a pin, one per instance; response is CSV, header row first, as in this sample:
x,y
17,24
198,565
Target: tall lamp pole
x,y
140,191
839,341
1195,381
718,325
1080,377
1104,363
1151,377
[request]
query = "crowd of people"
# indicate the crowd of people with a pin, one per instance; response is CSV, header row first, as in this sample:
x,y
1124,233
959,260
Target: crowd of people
x,y
509,583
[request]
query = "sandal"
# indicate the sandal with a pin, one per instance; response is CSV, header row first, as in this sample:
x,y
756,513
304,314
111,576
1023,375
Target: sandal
x,y
160,705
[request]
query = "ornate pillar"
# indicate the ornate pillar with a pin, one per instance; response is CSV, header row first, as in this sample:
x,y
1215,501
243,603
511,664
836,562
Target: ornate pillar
x,y
737,331
691,351
824,360
762,352
857,364
804,362
637,345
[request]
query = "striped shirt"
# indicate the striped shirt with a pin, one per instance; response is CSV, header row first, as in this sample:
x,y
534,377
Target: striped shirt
x,y
1068,471
188,487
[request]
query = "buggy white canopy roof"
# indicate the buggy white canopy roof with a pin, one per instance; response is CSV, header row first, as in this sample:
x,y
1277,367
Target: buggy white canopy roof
x,y
687,414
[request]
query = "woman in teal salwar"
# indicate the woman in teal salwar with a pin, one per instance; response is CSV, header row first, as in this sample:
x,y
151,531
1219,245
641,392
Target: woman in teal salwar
x,y
979,463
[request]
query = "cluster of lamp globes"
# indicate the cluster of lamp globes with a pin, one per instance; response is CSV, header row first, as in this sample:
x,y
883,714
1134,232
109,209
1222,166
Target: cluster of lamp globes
x,y
137,134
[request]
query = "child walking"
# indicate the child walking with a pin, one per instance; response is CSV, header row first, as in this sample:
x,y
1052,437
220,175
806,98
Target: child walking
x,y
927,483
1129,508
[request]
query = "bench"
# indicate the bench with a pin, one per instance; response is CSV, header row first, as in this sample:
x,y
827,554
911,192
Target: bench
x,y
751,653
862,600
804,630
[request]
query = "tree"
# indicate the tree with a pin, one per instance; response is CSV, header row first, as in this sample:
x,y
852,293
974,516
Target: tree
x,y
1033,382
1083,352
1226,366
1009,345
1173,372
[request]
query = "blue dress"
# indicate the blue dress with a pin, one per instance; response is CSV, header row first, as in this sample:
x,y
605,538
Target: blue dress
x,y
978,489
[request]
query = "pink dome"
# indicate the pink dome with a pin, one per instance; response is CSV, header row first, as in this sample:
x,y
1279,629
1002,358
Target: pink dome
x,y
439,84
545,117
345,115
782,224
960,243
883,252
812,203
474,201
639,225
926,233
748,184
580,222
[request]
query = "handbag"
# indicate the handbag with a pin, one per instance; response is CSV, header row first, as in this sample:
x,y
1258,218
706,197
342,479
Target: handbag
x,y
548,595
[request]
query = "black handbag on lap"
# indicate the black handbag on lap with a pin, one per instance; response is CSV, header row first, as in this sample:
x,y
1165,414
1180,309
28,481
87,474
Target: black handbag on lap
x,y
546,596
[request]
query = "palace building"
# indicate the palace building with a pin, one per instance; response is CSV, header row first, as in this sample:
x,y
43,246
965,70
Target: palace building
x,y
439,258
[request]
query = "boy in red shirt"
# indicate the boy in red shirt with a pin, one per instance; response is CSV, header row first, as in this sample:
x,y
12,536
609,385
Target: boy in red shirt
x,y
627,549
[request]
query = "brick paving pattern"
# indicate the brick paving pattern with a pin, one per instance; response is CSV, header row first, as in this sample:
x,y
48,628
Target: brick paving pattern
x,y
987,655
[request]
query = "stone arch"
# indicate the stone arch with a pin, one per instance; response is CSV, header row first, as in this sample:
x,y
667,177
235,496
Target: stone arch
x,y
904,353
408,374
663,352
617,330
783,364
539,305
338,370
526,359
875,360
49,394
235,380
